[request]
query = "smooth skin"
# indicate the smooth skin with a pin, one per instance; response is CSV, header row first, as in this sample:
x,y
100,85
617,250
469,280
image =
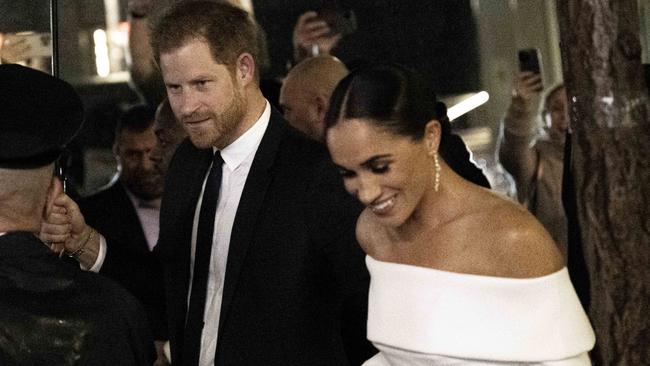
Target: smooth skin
x,y
460,228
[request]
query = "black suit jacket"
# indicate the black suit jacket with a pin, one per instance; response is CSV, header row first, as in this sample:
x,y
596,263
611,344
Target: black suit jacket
x,y
296,285
111,213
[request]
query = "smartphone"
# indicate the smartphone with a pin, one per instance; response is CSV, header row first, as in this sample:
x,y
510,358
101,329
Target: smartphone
x,y
40,44
61,168
530,60
341,21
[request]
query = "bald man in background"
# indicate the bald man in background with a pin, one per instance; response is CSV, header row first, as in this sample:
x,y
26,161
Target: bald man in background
x,y
169,134
306,92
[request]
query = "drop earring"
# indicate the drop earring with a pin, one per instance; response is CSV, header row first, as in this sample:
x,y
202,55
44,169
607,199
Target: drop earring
x,y
436,163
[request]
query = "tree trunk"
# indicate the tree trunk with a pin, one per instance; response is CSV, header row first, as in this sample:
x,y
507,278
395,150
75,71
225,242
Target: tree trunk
x,y
609,112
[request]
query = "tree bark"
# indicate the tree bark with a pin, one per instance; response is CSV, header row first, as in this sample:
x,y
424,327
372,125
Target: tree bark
x,y
609,116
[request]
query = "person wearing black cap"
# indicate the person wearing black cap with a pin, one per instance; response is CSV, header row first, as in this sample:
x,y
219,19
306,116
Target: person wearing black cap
x,y
51,313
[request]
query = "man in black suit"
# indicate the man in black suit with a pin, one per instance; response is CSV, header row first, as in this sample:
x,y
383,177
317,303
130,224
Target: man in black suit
x,y
256,230
285,273
126,214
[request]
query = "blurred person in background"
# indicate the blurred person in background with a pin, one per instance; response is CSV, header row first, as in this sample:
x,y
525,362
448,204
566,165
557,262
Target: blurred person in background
x,y
169,134
126,214
312,36
306,91
534,156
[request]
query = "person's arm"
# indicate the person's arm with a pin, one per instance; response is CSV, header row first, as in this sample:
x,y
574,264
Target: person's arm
x,y
13,50
142,64
519,130
69,234
311,37
144,72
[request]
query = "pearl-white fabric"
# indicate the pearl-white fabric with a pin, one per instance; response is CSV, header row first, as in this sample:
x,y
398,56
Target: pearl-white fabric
x,y
421,316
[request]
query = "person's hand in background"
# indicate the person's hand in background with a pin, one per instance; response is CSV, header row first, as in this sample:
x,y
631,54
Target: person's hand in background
x,y
13,49
312,36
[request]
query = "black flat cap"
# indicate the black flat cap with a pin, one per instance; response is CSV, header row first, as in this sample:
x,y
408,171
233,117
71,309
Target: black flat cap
x,y
39,115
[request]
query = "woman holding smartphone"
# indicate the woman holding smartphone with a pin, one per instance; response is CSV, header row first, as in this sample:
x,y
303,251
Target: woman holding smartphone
x,y
459,275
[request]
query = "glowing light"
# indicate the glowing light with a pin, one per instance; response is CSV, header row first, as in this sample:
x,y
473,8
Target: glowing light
x,y
467,104
102,61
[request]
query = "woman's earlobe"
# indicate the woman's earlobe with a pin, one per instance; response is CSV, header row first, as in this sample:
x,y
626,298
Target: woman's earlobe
x,y
432,132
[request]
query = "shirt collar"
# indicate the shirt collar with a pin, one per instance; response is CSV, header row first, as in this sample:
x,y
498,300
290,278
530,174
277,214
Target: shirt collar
x,y
235,153
142,203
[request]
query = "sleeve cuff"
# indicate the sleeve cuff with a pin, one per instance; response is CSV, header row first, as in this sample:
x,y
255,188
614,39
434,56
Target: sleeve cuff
x,y
100,257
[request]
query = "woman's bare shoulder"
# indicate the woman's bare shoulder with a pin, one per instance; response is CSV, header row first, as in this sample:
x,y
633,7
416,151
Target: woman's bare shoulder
x,y
520,243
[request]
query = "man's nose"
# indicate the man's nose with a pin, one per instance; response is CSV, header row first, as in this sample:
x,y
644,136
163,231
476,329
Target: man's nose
x,y
188,103
156,153
148,161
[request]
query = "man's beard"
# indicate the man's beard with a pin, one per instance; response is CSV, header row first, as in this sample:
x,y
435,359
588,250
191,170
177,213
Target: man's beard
x,y
224,125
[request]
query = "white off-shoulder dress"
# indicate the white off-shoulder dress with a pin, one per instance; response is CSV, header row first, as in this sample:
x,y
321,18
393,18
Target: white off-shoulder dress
x,y
420,316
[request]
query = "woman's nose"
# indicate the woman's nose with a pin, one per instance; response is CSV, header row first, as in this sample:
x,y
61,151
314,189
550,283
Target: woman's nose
x,y
368,191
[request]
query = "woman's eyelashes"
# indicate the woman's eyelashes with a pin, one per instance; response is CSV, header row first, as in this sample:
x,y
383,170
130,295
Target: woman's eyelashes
x,y
378,168
346,173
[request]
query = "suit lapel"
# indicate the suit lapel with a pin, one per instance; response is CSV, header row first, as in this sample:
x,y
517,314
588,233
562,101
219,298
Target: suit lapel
x,y
134,230
257,182
186,182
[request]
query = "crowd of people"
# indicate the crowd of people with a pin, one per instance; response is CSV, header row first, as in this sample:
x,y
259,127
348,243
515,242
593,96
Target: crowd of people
x,y
351,228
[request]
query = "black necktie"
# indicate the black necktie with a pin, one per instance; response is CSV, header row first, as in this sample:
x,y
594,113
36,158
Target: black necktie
x,y
194,322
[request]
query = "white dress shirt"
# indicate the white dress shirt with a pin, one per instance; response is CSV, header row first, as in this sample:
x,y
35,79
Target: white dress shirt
x,y
238,158
148,212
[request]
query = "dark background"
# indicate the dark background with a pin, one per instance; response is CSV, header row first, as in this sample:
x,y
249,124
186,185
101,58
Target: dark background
x,y
438,38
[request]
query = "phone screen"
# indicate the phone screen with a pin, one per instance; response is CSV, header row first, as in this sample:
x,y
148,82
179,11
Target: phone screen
x,y
529,60
340,21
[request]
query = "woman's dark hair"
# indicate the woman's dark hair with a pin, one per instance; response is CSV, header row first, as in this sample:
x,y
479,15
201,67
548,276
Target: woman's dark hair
x,y
398,99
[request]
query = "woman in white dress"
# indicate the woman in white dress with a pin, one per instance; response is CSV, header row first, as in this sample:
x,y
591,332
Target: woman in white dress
x,y
459,275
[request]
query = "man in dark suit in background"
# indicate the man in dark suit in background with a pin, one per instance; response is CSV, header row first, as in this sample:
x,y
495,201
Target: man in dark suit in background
x,y
126,214
257,234
112,211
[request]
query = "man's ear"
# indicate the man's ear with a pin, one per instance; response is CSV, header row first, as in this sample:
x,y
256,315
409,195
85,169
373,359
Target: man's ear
x,y
432,132
245,68
321,104
116,148
53,191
